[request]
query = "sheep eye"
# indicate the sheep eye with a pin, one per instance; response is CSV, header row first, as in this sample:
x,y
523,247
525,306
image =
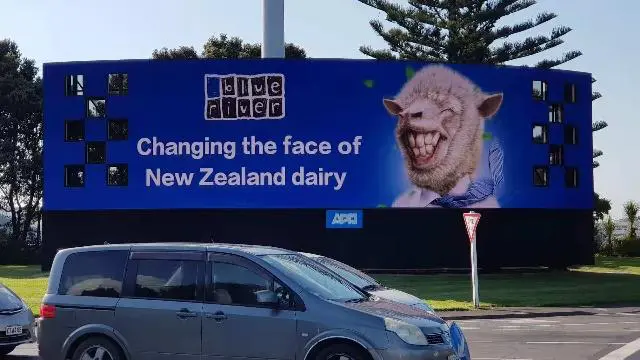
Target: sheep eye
x,y
416,115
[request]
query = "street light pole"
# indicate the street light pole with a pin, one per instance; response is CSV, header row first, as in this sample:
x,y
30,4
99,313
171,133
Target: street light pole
x,y
273,28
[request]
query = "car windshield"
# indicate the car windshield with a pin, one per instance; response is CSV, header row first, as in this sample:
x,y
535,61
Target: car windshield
x,y
314,278
8,301
354,276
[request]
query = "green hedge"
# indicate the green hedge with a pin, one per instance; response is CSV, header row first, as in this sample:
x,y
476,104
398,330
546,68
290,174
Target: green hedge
x,y
629,248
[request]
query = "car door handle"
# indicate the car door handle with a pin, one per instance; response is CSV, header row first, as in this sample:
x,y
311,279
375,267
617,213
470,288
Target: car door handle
x,y
217,316
185,313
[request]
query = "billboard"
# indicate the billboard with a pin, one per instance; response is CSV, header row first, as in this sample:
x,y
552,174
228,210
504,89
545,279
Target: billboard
x,y
337,134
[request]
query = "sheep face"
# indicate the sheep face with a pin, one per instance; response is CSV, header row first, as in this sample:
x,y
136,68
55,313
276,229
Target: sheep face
x,y
440,126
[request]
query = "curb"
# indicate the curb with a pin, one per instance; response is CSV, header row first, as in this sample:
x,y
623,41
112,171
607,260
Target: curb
x,y
513,314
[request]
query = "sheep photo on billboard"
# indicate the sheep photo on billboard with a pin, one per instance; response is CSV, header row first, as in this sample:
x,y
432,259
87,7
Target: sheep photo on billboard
x,y
440,129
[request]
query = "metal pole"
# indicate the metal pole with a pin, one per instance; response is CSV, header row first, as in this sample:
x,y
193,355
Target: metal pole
x,y
474,273
273,28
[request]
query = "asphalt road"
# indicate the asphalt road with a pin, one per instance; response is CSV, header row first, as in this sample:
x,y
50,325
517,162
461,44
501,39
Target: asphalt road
x,y
568,334
532,334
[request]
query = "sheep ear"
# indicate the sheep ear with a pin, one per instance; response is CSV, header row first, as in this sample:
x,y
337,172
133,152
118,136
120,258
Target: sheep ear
x,y
490,105
392,107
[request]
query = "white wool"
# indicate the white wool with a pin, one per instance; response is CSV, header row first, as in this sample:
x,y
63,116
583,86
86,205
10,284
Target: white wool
x,y
437,83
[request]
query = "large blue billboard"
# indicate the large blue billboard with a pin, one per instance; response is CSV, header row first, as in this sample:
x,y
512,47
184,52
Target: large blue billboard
x,y
342,134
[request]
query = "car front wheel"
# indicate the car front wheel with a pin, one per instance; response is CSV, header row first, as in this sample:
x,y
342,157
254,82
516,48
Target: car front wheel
x,y
97,348
341,352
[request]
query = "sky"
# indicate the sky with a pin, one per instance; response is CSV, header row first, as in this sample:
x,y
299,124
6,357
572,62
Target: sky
x,y
71,30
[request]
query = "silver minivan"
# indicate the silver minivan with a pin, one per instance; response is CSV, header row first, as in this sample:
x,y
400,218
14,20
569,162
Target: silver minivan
x,y
214,301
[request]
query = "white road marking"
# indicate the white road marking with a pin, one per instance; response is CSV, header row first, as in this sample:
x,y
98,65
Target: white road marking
x,y
572,343
475,358
574,330
469,328
623,352
530,321
510,326
605,330
604,323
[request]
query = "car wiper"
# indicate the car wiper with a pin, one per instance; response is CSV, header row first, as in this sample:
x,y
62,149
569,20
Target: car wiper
x,y
371,287
356,300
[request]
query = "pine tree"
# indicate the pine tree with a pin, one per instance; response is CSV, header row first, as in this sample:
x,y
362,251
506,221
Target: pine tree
x,y
597,126
462,31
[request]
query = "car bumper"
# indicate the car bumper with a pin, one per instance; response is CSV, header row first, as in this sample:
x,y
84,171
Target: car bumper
x,y
24,319
20,341
431,352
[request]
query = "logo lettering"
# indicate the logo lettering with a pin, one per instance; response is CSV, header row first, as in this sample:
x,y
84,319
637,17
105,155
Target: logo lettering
x,y
236,96
345,218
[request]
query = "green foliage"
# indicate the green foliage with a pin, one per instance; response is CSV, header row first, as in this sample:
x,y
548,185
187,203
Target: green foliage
x,y
631,212
224,47
601,206
182,52
409,72
629,248
596,153
609,227
610,281
20,142
27,281
462,32
598,125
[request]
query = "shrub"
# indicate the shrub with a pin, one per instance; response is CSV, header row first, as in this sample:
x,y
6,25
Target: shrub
x,y
629,248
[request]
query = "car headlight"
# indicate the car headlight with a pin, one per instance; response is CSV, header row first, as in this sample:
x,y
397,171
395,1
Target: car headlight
x,y
457,338
409,333
425,307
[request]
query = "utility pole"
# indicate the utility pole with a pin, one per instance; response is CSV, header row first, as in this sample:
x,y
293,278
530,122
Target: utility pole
x,y
272,28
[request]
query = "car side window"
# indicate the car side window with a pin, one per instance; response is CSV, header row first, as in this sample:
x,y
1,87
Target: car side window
x,y
166,279
93,273
236,284
285,298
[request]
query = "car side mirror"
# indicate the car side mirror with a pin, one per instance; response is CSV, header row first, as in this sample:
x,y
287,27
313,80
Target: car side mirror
x,y
267,298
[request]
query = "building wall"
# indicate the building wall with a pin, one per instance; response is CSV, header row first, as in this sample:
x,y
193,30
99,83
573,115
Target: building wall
x,y
527,131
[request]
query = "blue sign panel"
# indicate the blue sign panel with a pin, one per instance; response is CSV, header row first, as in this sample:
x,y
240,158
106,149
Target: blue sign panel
x,y
314,134
350,219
